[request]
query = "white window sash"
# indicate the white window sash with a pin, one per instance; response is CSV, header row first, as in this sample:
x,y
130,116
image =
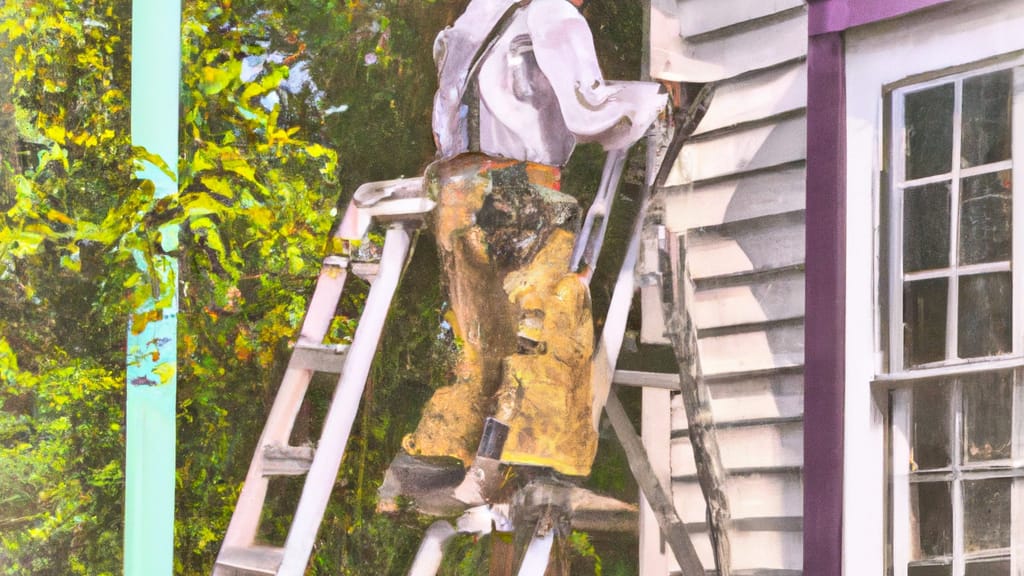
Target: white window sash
x,y
900,380
897,185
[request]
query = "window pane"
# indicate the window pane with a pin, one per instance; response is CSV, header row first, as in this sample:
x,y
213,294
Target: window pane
x,y
989,568
985,218
988,416
931,426
928,121
924,319
932,521
986,118
926,227
986,514
930,570
985,315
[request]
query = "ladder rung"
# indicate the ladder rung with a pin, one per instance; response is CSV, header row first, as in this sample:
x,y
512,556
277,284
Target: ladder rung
x,y
366,270
249,560
319,358
287,460
663,381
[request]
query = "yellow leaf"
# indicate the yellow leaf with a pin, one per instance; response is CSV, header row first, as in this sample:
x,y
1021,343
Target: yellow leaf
x,y
214,80
165,372
58,216
56,133
218,185
201,162
241,167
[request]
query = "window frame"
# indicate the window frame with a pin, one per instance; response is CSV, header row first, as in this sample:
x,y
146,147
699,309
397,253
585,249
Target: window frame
x,y
896,185
899,380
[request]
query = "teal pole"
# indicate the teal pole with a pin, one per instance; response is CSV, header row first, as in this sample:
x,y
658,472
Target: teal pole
x,y
152,346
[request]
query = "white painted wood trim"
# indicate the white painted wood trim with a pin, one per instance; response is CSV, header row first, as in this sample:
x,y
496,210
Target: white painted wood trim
x,y
1017,489
956,433
1017,155
900,513
878,56
655,432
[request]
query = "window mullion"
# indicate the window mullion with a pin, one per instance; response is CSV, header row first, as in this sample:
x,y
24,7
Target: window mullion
x,y
956,456
900,466
1017,205
952,316
1017,488
896,325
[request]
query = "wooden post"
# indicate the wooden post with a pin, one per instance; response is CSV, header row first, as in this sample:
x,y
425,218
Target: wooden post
x,y
693,101
700,422
503,554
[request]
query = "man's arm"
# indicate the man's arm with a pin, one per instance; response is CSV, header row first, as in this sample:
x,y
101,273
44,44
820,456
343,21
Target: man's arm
x,y
593,110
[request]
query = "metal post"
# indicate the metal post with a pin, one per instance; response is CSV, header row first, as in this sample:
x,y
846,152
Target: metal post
x,y
152,352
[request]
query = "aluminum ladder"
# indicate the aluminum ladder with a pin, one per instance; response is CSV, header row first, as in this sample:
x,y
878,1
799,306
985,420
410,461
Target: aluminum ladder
x,y
399,204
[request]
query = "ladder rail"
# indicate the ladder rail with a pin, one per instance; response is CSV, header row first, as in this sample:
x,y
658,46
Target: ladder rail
x,y
589,242
340,416
245,520
607,353
538,554
397,204
602,374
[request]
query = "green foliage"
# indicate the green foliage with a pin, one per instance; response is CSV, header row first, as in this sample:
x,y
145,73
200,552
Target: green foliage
x,y
466,554
579,543
61,445
261,170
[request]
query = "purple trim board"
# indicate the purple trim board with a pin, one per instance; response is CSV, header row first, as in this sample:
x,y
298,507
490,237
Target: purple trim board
x,y
825,325
827,16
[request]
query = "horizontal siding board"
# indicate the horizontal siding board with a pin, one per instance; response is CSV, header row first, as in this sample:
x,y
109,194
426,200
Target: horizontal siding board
x,y
754,248
736,199
776,347
753,399
676,59
742,448
742,150
764,397
702,16
754,97
740,195
765,300
757,496
754,551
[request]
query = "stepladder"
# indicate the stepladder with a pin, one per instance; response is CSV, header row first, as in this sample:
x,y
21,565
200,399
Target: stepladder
x,y
400,206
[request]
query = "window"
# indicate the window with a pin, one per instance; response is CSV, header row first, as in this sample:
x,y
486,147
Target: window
x,y
954,326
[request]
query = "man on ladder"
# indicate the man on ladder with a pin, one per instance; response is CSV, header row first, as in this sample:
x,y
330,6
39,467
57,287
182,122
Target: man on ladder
x,y
520,85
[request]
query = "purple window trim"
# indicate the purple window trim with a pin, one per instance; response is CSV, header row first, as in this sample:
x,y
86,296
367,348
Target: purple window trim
x,y
825,324
828,16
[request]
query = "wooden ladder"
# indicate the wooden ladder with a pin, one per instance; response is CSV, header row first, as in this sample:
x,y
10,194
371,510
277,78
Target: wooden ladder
x,y
400,204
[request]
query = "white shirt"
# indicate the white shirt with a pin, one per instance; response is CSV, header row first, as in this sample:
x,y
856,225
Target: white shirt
x,y
540,87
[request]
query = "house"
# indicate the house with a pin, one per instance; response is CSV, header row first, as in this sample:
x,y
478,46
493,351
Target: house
x,y
846,207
